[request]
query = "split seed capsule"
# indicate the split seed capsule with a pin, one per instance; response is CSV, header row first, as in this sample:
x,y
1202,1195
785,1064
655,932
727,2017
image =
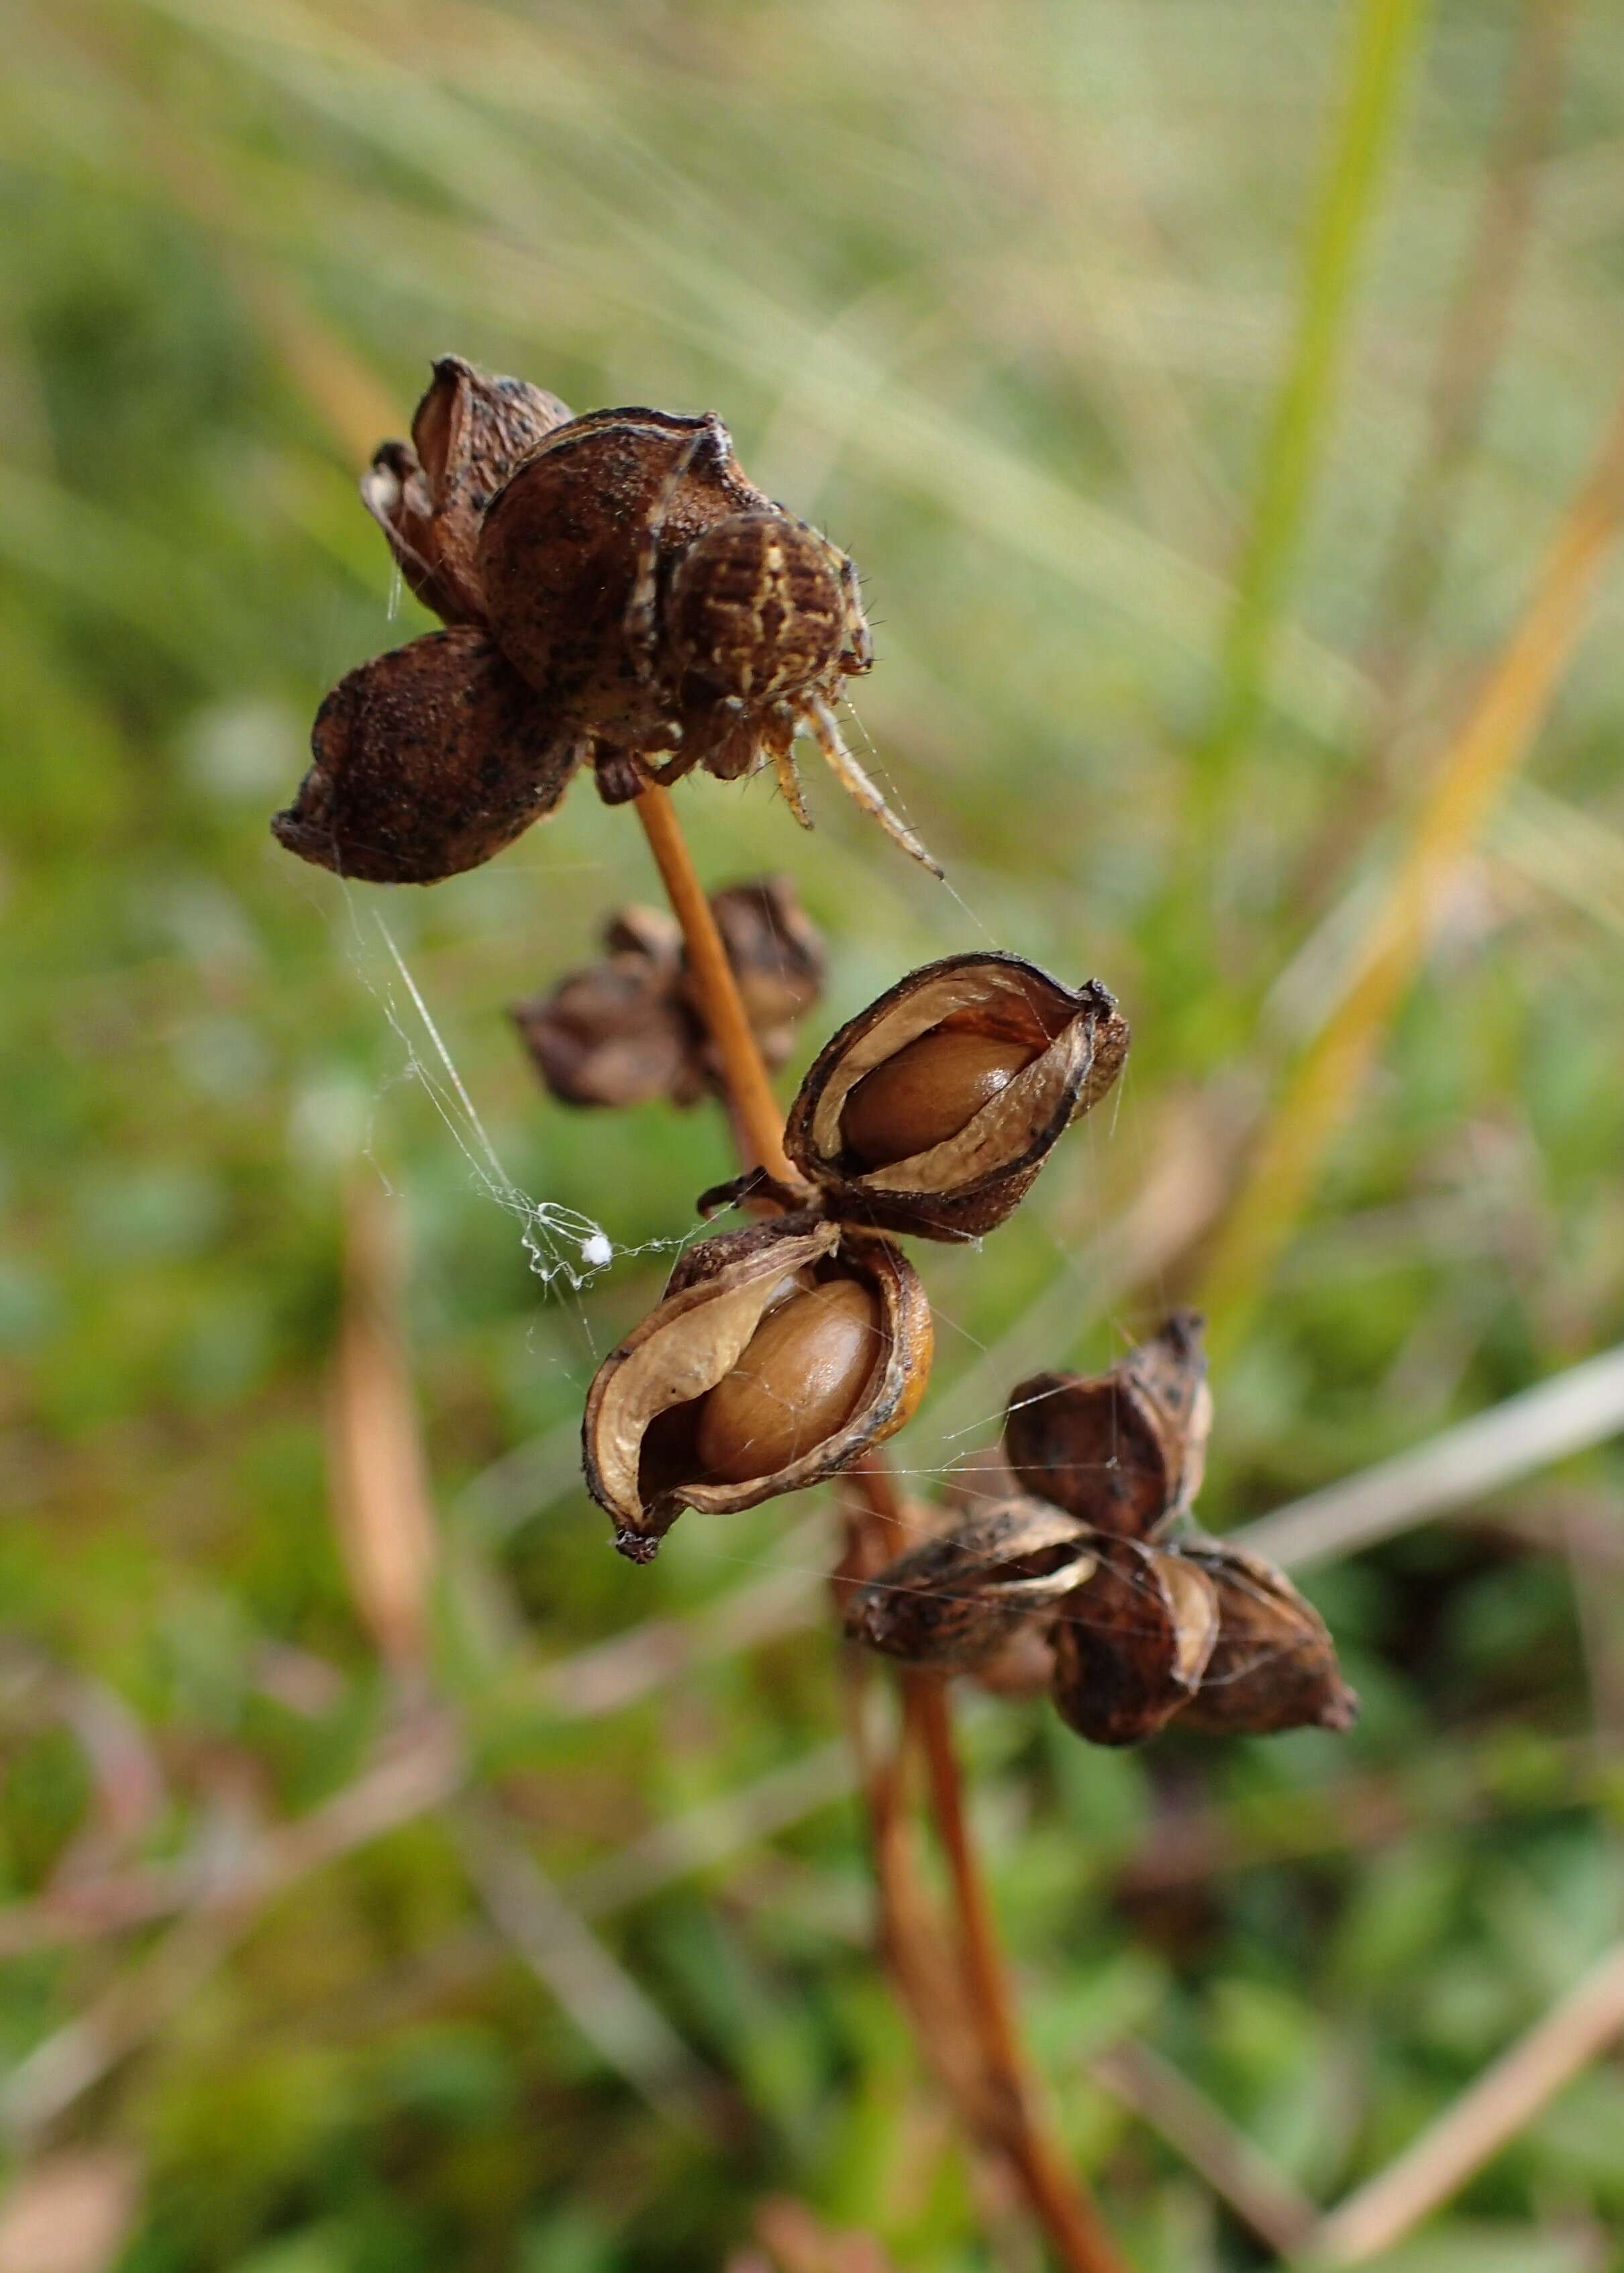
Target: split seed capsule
x,y
799,1379
927,1092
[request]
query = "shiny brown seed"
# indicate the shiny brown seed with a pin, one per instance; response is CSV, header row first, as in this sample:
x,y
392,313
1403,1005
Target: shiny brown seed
x,y
798,1381
927,1092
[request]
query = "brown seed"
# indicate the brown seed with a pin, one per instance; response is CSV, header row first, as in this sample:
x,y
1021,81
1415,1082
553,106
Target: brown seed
x,y
927,1092
798,1381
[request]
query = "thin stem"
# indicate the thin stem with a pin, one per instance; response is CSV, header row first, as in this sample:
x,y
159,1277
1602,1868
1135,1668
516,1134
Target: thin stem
x,y
1056,2198
1068,2214
756,1118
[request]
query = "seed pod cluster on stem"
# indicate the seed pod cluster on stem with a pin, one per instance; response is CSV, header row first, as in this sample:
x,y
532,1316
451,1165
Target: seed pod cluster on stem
x,y
1090,1578
752,1379
617,593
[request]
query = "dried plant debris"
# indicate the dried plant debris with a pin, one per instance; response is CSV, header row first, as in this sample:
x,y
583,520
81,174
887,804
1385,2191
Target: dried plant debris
x,y
780,1354
654,612
1095,1584
777,955
1132,1652
629,1029
932,1111
1274,1664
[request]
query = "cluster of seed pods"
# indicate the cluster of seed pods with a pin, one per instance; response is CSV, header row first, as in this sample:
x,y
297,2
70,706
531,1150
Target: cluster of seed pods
x,y
1083,1572
783,1352
616,594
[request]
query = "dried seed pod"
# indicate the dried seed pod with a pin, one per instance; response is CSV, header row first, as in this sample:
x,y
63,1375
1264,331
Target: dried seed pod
x,y
613,1034
779,1354
1124,1450
777,955
630,1028
425,763
987,1042
469,432
955,1600
1274,1664
1130,1646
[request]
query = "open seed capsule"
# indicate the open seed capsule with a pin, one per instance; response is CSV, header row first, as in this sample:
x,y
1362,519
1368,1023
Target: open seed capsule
x,y
1273,1665
779,1356
933,1110
957,1601
1124,1450
1130,1649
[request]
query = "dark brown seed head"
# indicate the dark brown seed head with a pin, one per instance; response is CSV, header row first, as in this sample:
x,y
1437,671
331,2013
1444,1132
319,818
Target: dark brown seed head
x,y
757,609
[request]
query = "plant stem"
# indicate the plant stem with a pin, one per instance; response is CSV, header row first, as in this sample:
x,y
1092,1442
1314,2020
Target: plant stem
x,y
1057,2200
757,1119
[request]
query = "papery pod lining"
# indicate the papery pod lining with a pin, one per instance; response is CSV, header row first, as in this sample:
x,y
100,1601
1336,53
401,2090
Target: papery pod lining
x,y
1169,1371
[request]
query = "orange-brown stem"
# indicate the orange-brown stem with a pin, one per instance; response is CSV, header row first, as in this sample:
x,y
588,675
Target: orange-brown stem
x,y
1058,2201
750,1093
1056,2198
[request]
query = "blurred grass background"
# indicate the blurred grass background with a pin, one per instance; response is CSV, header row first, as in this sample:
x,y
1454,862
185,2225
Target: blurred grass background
x,y
1199,384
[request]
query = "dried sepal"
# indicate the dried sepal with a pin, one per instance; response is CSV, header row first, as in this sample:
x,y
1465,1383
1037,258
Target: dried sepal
x,y
1130,1646
469,433
424,762
1124,1450
780,1353
1274,1664
955,1600
630,1028
972,1068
